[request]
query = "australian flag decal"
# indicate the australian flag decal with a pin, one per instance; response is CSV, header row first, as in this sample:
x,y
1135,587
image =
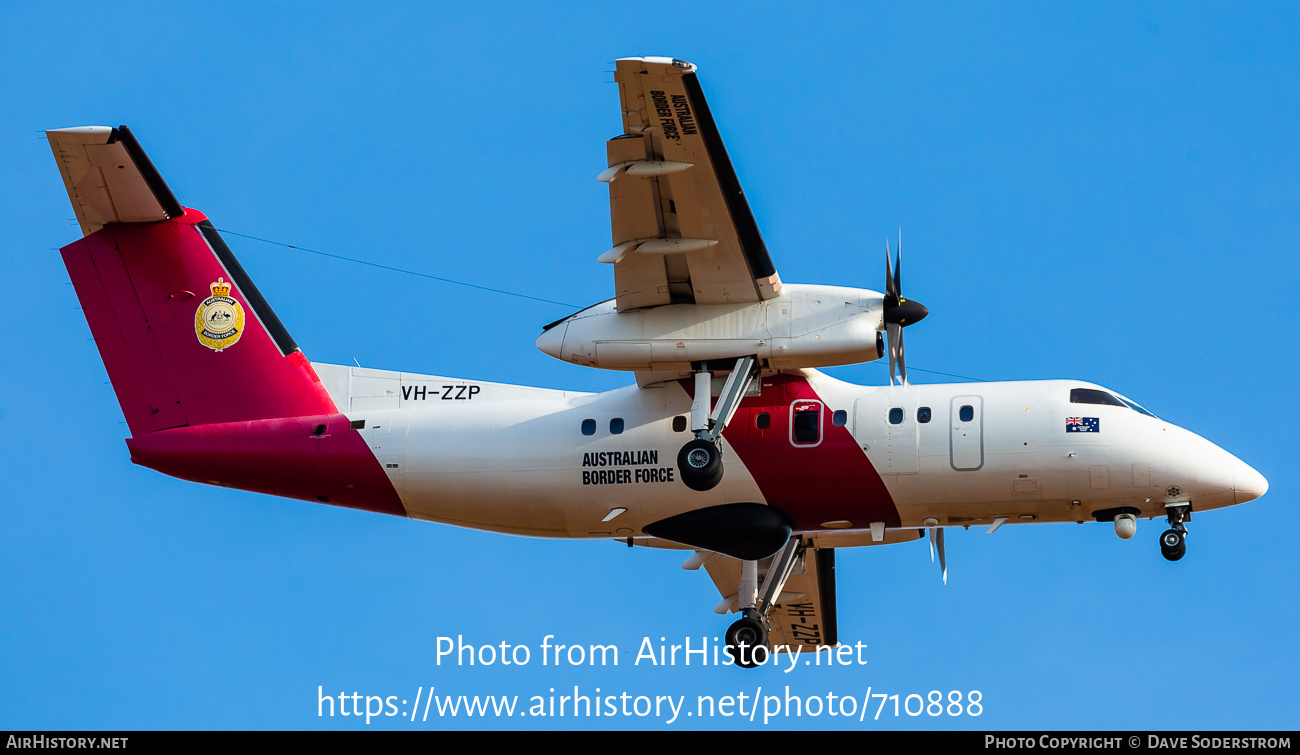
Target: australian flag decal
x,y
1082,425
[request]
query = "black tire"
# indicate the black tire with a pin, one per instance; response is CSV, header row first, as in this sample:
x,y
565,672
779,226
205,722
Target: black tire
x,y
742,637
699,464
1172,545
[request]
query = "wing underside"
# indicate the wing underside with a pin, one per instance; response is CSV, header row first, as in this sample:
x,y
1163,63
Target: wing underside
x,y
682,229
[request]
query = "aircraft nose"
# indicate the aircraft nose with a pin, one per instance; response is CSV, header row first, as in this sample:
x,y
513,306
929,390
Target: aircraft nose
x,y
1248,483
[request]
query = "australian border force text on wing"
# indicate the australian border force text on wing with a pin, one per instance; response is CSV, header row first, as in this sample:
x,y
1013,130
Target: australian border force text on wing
x,y
673,114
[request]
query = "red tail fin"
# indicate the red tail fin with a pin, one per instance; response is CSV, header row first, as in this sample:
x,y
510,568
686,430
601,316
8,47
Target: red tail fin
x,y
212,386
185,335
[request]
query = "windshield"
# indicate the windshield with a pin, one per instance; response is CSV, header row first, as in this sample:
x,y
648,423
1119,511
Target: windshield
x,y
1095,396
1135,406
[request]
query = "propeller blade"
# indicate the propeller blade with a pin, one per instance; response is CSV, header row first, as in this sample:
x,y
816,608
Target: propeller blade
x,y
930,532
891,286
898,312
895,333
902,357
943,561
898,266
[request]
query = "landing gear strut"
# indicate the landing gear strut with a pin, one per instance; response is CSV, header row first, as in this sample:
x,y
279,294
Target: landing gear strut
x,y
755,602
1172,542
699,463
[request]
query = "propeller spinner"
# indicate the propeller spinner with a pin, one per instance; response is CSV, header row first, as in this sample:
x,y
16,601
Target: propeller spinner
x,y
899,312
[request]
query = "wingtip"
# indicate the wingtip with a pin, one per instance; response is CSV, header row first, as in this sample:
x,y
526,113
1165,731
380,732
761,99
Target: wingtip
x,y
81,130
686,66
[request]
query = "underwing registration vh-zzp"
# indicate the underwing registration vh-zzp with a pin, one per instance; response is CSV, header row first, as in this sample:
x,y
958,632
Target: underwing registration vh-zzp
x,y
730,444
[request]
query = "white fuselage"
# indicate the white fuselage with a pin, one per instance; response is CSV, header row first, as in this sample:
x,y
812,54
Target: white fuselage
x,y
520,460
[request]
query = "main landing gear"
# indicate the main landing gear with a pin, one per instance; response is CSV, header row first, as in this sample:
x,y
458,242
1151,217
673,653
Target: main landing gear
x,y
1172,541
749,633
699,463
745,636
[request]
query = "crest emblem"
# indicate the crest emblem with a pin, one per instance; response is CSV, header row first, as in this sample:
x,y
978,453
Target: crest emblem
x,y
219,321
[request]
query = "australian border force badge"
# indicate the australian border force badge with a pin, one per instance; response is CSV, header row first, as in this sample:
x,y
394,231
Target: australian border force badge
x,y
219,322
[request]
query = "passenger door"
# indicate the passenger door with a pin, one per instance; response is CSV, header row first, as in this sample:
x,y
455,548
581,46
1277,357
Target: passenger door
x,y
966,439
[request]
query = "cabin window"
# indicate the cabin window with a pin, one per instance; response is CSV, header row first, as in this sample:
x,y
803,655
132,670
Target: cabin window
x,y
616,426
840,418
923,414
896,416
763,420
806,423
1093,396
966,413
679,424
589,427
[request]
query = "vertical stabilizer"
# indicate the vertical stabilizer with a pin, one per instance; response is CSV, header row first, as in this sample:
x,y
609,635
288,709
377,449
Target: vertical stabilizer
x,y
212,386
185,335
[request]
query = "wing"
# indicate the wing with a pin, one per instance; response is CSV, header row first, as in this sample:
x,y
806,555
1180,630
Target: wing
x,y
682,228
109,178
804,614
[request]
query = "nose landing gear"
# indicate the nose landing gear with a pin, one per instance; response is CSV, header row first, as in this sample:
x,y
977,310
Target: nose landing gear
x,y
1172,541
1172,545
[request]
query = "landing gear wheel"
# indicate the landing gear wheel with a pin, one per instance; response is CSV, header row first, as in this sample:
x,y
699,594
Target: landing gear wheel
x,y
743,637
1172,545
700,465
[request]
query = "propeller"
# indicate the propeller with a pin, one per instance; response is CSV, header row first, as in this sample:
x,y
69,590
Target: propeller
x,y
899,312
936,538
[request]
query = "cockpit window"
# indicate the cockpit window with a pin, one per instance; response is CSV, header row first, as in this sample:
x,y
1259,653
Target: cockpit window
x,y
1135,406
1093,396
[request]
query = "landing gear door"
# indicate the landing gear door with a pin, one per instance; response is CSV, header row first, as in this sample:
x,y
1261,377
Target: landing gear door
x,y
966,438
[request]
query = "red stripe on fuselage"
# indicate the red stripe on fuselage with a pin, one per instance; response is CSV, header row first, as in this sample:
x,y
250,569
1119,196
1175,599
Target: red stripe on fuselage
x,y
830,481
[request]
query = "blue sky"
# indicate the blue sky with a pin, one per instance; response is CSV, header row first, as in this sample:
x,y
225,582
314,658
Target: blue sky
x,y
1098,191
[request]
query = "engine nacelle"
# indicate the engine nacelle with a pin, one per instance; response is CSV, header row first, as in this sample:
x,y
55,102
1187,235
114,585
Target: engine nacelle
x,y
804,326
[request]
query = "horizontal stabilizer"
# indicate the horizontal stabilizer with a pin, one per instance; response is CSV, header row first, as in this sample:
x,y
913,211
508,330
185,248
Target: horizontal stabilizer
x,y
109,178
